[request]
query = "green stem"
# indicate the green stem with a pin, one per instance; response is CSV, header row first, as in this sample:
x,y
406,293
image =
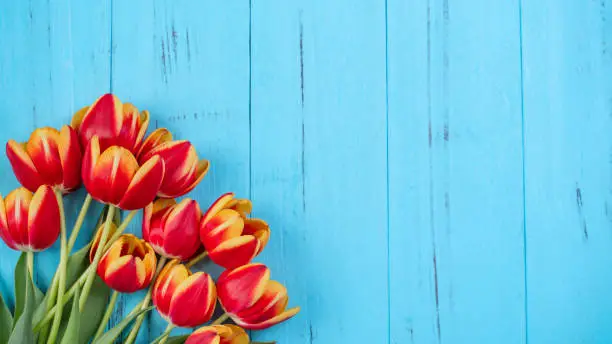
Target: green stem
x,y
79,223
196,260
145,303
220,320
121,228
164,336
92,274
61,269
107,315
30,258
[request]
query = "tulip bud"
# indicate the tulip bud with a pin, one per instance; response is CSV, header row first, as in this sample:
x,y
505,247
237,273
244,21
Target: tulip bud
x,y
50,157
232,239
183,168
30,222
182,298
128,265
219,334
115,177
115,123
171,228
251,299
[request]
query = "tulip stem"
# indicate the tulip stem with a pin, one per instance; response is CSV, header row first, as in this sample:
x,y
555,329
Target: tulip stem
x,y
92,273
145,303
62,270
79,223
220,320
30,259
107,315
164,336
197,259
121,228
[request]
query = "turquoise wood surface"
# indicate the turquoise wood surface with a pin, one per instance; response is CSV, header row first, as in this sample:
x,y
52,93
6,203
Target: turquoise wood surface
x,y
433,171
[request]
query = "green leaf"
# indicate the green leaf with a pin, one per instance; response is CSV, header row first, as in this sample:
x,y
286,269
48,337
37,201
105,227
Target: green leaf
x,y
110,336
20,286
177,339
72,332
6,322
22,332
94,309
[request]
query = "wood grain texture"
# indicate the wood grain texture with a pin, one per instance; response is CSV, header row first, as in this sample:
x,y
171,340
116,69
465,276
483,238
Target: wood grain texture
x,y
455,172
567,63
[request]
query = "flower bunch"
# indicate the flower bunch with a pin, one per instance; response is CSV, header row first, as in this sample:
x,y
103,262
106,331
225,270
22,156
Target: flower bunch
x,y
105,149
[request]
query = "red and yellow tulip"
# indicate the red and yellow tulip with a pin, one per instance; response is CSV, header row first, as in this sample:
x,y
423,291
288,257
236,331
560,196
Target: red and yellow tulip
x,y
114,176
183,168
113,122
182,298
232,239
251,299
171,228
49,157
219,334
30,221
98,236
128,265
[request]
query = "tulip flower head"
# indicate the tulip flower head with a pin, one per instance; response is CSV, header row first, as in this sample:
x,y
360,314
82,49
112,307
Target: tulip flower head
x,y
113,176
251,299
49,157
171,228
29,221
219,334
183,168
232,239
96,241
113,122
182,298
128,265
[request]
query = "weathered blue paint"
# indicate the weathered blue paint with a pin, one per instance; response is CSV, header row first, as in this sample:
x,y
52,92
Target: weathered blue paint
x,y
433,171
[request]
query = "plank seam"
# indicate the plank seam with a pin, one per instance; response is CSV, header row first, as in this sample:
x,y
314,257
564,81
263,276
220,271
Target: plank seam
x,y
387,172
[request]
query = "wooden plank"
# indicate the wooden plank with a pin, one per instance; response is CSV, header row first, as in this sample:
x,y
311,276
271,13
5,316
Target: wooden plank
x,y
319,164
567,67
49,67
188,63
455,172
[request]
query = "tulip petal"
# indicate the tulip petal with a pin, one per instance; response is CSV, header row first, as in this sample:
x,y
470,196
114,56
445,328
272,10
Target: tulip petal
x,y
42,149
243,206
152,219
124,275
4,228
181,162
258,228
201,169
77,118
193,302
23,166
113,174
270,322
144,185
240,288
43,219
144,124
97,237
204,335
157,137
17,204
181,235
103,119
235,252
70,157
225,225
171,276
217,206
129,128
273,302
90,159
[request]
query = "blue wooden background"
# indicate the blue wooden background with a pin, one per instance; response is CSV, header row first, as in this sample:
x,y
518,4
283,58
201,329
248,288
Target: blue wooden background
x,y
434,171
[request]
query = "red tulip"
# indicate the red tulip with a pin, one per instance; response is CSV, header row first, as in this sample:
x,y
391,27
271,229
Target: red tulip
x,y
115,123
219,334
128,265
232,239
171,228
115,177
50,157
183,169
182,298
251,299
30,222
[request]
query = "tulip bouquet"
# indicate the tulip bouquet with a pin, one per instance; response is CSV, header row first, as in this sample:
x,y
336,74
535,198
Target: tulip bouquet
x,y
105,150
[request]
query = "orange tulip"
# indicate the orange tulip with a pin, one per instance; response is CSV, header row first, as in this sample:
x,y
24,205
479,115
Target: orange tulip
x,y
50,157
115,123
251,299
30,222
128,265
182,298
115,177
232,239
219,334
172,229
183,168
